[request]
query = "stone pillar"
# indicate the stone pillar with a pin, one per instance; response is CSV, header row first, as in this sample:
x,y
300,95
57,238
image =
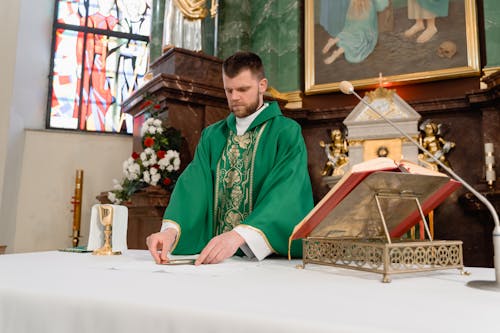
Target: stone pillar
x,y
156,38
234,26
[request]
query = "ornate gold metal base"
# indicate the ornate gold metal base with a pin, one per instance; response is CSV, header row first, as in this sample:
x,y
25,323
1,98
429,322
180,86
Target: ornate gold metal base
x,y
378,257
106,251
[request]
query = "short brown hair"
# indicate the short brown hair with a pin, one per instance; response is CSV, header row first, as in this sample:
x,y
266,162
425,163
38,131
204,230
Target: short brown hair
x,y
240,61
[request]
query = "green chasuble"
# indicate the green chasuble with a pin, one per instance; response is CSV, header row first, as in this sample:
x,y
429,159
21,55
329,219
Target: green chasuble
x,y
257,180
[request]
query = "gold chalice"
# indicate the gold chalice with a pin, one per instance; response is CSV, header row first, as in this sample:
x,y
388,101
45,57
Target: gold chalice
x,y
106,218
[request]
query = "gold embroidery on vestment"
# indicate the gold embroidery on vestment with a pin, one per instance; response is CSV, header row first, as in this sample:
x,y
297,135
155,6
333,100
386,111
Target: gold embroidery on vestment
x,y
234,180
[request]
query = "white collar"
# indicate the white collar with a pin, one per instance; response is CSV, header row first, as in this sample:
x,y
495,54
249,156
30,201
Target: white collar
x,y
242,124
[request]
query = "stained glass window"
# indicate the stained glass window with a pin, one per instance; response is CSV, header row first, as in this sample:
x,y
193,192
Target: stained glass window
x,y
100,54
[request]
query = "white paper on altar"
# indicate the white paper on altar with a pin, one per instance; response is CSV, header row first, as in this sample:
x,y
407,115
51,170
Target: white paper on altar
x,y
142,261
119,229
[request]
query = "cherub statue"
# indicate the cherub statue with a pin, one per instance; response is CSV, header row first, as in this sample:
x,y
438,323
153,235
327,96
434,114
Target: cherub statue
x,y
431,139
336,152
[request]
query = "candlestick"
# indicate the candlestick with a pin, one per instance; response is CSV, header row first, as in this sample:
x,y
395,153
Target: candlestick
x,y
489,161
77,206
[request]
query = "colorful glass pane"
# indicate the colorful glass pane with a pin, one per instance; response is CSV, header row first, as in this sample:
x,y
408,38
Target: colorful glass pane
x,y
68,12
64,112
95,71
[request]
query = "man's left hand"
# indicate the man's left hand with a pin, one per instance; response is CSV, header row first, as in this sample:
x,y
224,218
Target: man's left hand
x,y
220,247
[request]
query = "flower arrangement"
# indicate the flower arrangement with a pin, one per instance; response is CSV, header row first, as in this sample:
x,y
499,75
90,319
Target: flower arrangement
x,y
157,165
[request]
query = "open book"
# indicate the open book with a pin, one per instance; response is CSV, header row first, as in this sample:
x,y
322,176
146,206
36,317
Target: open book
x,y
350,209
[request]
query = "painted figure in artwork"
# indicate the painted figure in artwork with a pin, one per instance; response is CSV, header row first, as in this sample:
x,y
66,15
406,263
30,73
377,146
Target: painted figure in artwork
x,y
359,36
424,12
96,95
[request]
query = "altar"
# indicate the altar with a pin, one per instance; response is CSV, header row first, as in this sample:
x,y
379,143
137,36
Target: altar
x,y
74,292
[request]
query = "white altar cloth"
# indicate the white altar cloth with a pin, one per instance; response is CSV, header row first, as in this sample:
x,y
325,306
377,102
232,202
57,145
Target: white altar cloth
x,y
73,292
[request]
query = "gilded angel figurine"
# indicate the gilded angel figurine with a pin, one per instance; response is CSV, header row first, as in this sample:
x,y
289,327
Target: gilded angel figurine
x,y
336,152
431,139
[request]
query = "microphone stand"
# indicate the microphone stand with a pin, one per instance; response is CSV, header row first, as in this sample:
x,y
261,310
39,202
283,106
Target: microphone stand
x,y
347,88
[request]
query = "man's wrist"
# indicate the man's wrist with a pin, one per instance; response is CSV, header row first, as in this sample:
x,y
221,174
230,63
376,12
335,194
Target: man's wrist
x,y
241,241
173,234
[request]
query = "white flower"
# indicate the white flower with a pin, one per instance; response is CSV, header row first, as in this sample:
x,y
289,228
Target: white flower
x,y
177,163
135,168
171,161
144,129
162,163
146,177
131,171
117,185
147,168
172,153
155,178
112,197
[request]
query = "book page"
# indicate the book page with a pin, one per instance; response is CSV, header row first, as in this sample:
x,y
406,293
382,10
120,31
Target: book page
x,y
410,167
380,163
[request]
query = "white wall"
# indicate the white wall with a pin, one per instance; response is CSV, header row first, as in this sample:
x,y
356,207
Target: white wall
x,y
50,161
37,168
9,16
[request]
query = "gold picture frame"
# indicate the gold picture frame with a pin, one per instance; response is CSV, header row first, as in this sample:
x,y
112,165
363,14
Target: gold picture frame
x,y
396,56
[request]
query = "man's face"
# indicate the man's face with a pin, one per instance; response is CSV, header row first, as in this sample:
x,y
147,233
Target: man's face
x,y
244,93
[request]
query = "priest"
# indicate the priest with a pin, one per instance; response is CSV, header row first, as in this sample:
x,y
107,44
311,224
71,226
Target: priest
x,y
248,184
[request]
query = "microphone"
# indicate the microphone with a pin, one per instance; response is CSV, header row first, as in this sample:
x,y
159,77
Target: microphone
x,y
347,88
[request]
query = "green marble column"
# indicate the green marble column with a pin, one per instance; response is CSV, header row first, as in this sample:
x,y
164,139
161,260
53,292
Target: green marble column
x,y
156,38
492,32
234,26
270,28
276,37
207,31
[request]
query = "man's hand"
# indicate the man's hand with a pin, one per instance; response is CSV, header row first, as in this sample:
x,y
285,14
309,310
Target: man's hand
x,y
220,247
161,241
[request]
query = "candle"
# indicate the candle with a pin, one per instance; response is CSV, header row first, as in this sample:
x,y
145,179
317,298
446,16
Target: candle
x,y
489,161
77,206
488,148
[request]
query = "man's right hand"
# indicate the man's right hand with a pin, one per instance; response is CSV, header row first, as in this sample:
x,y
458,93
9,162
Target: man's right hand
x,y
161,241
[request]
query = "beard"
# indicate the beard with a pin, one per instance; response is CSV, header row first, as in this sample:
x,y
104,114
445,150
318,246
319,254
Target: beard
x,y
242,111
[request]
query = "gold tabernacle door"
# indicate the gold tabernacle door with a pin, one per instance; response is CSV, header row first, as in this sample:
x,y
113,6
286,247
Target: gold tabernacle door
x,y
362,224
